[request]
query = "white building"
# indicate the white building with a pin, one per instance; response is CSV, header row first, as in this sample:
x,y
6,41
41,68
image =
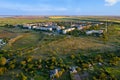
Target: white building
x,y
34,27
60,28
73,25
79,27
2,43
94,32
68,30
44,28
73,70
89,32
29,25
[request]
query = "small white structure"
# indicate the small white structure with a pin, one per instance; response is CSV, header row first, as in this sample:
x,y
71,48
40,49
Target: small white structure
x,y
29,25
73,25
73,70
68,30
100,64
89,32
91,67
46,25
79,27
101,23
53,73
94,31
44,28
60,28
57,27
34,27
2,43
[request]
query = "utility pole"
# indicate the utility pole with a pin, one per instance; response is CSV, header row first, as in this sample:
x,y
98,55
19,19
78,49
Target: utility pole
x,y
105,36
106,27
71,23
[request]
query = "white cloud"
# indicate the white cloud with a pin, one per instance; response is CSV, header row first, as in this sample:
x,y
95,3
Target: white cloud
x,y
111,2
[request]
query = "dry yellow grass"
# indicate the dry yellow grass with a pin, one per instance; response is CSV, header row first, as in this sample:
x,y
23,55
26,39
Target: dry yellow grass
x,y
4,34
13,40
71,45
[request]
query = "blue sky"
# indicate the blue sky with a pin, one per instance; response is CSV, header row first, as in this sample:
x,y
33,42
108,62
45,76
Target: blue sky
x,y
59,7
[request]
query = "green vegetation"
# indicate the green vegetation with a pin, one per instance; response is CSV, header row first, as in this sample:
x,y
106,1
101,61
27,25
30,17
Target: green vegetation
x,y
31,54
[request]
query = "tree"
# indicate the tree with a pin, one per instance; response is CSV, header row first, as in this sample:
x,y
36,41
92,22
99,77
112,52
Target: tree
x,y
30,66
78,69
114,61
72,56
57,75
94,78
12,66
52,67
29,58
112,77
103,76
60,73
99,58
23,62
23,77
3,61
2,70
85,66
53,59
39,61
60,60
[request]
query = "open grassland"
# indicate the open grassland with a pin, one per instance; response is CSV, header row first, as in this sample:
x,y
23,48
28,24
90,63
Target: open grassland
x,y
115,19
73,45
13,40
29,40
15,21
25,40
44,45
114,35
5,33
23,20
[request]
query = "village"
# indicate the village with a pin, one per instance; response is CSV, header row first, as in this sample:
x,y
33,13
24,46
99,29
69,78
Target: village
x,y
53,27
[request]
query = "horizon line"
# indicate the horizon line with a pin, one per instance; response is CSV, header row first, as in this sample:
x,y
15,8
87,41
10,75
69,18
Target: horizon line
x,y
56,15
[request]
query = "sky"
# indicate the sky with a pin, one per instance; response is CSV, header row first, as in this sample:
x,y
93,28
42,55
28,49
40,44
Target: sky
x,y
60,7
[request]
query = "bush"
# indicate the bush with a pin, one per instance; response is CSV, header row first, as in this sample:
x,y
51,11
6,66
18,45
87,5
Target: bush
x,y
72,57
3,61
2,70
